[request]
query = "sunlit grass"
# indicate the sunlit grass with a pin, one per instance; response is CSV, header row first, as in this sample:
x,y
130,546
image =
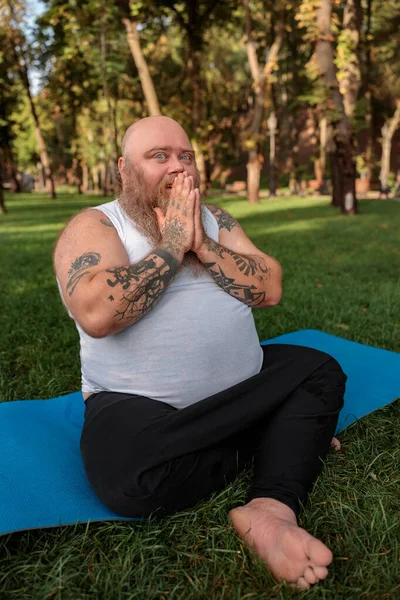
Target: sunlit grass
x,y
341,275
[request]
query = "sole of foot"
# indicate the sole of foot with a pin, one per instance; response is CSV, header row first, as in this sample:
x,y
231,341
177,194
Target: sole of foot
x,y
270,528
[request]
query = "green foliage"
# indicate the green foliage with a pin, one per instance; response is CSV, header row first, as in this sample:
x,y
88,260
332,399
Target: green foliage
x,y
23,130
91,86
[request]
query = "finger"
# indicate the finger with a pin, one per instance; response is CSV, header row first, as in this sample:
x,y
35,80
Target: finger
x,y
197,209
188,208
188,185
178,185
160,216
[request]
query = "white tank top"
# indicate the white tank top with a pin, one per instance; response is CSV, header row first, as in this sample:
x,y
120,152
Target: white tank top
x,y
197,341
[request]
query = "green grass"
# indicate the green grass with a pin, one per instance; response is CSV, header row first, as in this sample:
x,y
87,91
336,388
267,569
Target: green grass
x,y
341,275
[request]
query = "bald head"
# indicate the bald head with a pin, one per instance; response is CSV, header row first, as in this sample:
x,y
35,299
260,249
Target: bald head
x,y
147,128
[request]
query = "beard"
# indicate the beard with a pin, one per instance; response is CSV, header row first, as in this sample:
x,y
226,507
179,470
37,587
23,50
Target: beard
x,y
138,199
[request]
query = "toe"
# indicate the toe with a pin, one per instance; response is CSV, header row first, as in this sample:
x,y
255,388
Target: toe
x,y
310,576
319,554
301,584
320,572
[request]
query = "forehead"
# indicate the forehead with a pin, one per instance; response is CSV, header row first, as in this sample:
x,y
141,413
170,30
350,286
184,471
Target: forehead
x,y
157,134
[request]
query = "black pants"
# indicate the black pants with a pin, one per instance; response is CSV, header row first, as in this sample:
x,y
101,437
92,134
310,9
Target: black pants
x,y
142,456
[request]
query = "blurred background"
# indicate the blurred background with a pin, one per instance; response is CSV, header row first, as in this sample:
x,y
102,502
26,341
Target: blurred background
x,y
278,97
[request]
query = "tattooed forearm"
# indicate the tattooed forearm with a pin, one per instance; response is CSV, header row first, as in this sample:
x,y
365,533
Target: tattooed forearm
x,y
77,270
144,283
245,293
248,265
224,219
214,247
242,276
254,265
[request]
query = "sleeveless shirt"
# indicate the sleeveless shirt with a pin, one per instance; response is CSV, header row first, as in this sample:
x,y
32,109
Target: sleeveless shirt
x,y
195,342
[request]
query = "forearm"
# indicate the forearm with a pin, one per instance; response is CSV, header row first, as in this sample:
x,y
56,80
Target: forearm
x,y
118,297
252,279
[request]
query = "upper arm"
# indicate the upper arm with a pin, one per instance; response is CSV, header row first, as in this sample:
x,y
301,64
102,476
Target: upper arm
x,y
88,245
231,234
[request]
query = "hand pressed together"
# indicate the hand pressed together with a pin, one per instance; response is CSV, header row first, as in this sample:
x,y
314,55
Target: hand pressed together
x,y
181,225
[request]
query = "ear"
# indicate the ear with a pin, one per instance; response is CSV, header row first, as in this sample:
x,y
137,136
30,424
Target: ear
x,y
121,163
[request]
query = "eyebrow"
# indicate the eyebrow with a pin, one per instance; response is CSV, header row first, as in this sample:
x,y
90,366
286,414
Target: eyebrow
x,y
168,148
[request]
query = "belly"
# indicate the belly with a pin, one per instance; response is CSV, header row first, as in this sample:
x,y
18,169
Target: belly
x,y
187,348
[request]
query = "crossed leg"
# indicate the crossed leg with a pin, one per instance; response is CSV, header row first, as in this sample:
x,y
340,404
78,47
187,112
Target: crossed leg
x,y
143,457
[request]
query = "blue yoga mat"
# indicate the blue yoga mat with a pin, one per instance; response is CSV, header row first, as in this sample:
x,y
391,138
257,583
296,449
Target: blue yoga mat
x,y
43,483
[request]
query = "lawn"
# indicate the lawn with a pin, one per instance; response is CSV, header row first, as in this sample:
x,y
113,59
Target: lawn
x,y
341,275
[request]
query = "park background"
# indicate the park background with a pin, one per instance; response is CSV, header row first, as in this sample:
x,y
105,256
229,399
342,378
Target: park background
x,y
294,111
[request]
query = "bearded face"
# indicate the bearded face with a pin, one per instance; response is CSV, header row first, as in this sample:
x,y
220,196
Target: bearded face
x,y
140,196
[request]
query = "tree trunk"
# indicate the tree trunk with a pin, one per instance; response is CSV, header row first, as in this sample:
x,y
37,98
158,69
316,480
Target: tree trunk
x,y
3,208
350,38
261,81
343,167
369,150
78,175
388,131
9,157
195,43
20,60
253,177
201,166
44,157
96,179
146,81
320,161
103,176
85,178
110,132
367,175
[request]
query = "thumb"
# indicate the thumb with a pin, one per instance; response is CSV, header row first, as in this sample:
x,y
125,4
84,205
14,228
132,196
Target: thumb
x,y
197,209
160,216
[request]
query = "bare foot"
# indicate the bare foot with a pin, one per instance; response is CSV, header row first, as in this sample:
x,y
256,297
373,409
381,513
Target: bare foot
x,y
336,444
270,528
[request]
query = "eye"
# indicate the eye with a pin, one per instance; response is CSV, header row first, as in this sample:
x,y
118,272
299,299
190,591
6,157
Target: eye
x,y
187,157
160,155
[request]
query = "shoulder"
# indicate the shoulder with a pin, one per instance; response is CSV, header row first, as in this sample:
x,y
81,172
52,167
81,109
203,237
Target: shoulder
x,y
88,224
224,219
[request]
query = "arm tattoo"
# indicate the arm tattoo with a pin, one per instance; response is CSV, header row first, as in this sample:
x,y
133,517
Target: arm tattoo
x,y
251,265
106,221
248,265
152,280
78,269
244,293
173,234
215,247
224,219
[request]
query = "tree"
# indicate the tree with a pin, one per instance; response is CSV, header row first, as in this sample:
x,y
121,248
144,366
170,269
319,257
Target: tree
x,y
316,16
132,35
388,130
262,87
348,55
10,92
386,72
20,51
194,17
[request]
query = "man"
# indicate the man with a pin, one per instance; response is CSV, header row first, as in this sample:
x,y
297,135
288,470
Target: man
x,y
180,396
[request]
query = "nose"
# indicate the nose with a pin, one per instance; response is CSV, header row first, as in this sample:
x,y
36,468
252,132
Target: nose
x,y
175,165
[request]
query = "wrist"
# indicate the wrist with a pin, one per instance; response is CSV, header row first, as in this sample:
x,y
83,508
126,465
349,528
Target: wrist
x,y
203,249
175,250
